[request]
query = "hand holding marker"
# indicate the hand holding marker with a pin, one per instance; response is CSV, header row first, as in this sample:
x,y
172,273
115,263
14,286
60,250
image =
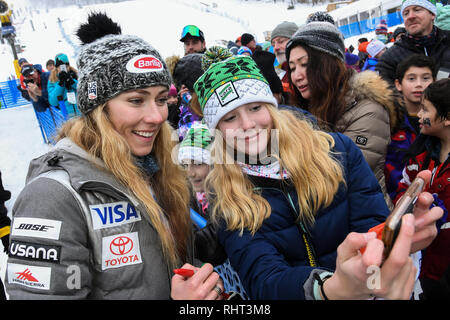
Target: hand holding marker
x,y
189,273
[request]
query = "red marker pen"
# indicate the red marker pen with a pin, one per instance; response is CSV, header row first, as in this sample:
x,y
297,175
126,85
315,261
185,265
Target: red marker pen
x,y
184,272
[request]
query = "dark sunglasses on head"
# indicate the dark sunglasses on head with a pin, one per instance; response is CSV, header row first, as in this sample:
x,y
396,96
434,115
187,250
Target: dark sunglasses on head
x,y
191,30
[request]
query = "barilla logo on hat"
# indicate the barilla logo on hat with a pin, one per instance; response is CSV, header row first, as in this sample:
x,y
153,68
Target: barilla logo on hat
x,y
144,63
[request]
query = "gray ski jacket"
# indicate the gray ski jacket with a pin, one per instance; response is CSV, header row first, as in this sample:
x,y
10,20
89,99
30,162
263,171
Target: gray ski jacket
x,y
77,233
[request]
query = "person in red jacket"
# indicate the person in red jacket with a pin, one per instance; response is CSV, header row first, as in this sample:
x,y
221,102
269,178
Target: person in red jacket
x,y
431,151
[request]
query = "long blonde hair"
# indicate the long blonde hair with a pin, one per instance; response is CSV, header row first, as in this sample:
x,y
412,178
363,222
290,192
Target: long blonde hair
x,y
95,134
305,153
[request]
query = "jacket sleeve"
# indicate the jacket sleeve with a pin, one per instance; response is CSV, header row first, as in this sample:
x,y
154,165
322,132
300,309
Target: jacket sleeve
x,y
5,222
54,91
409,173
367,206
368,127
49,245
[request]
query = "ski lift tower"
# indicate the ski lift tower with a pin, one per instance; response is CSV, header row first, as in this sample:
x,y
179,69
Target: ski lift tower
x,y
8,32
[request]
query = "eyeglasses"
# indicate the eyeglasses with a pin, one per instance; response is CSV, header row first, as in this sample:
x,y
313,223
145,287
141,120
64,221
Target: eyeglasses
x,y
191,30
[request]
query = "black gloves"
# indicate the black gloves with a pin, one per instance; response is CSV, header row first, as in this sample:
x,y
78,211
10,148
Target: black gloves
x,y
65,79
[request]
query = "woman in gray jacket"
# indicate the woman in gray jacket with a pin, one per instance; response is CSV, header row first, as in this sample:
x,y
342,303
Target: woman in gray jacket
x,y
104,214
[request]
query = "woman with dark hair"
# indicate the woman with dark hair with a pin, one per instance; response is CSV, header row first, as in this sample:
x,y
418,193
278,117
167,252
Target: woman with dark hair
x,y
359,105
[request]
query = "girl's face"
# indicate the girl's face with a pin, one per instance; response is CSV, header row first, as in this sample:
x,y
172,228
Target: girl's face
x,y
430,123
137,115
247,128
197,173
298,61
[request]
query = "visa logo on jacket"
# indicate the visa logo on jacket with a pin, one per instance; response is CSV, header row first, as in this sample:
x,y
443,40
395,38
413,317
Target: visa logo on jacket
x,y
113,214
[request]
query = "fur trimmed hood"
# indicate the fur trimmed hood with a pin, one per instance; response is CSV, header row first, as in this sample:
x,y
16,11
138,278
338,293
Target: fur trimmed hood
x,y
369,85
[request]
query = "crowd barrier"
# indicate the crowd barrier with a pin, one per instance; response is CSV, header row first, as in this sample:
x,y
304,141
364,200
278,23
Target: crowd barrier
x,y
49,120
369,25
10,95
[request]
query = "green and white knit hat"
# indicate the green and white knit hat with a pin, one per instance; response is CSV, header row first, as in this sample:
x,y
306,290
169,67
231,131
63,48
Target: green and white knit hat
x,y
196,144
430,5
228,84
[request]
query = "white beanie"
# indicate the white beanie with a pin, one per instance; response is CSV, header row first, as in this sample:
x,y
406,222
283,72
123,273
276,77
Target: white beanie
x,y
374,47
430,5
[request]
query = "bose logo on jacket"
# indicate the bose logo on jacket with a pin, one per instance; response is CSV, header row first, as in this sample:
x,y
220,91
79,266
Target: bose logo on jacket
x,y
36,227
113,214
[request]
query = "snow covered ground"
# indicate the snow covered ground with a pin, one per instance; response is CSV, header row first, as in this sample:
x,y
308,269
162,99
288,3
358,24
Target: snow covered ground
x,y
158,21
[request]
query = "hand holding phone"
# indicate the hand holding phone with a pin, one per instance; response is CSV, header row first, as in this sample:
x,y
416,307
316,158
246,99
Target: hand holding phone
x,y
404,205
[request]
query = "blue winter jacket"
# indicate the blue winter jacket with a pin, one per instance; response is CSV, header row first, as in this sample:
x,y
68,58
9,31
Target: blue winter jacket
x,y
55,91
273,264
370,64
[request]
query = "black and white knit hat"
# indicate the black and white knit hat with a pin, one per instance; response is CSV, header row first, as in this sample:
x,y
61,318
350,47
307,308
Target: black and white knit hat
x,y
110,63
320,35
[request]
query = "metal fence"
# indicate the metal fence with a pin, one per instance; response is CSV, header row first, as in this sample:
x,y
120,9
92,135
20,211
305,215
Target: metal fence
x,y
369,25
10,95
49,120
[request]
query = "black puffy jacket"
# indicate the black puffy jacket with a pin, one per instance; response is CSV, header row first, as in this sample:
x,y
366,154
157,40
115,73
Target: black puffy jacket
x,y
405,47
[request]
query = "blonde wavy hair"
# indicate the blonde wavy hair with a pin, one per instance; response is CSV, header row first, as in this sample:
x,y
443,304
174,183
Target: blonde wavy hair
x,y
306,155
95,134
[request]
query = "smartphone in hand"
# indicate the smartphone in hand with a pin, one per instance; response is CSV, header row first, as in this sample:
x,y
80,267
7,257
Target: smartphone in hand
x,y
394,221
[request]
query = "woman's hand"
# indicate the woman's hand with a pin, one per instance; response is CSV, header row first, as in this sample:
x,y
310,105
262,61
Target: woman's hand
x,y
201,286
361,276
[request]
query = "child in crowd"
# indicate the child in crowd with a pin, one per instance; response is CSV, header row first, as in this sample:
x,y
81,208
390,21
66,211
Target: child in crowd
x,y
375,49
194,156
431,151
413,75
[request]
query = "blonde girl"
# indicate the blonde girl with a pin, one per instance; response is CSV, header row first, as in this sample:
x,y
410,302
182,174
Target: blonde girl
x,y
293,204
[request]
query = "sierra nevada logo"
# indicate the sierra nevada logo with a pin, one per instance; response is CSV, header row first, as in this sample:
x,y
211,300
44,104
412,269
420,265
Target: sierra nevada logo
x,y
29,276
26,275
